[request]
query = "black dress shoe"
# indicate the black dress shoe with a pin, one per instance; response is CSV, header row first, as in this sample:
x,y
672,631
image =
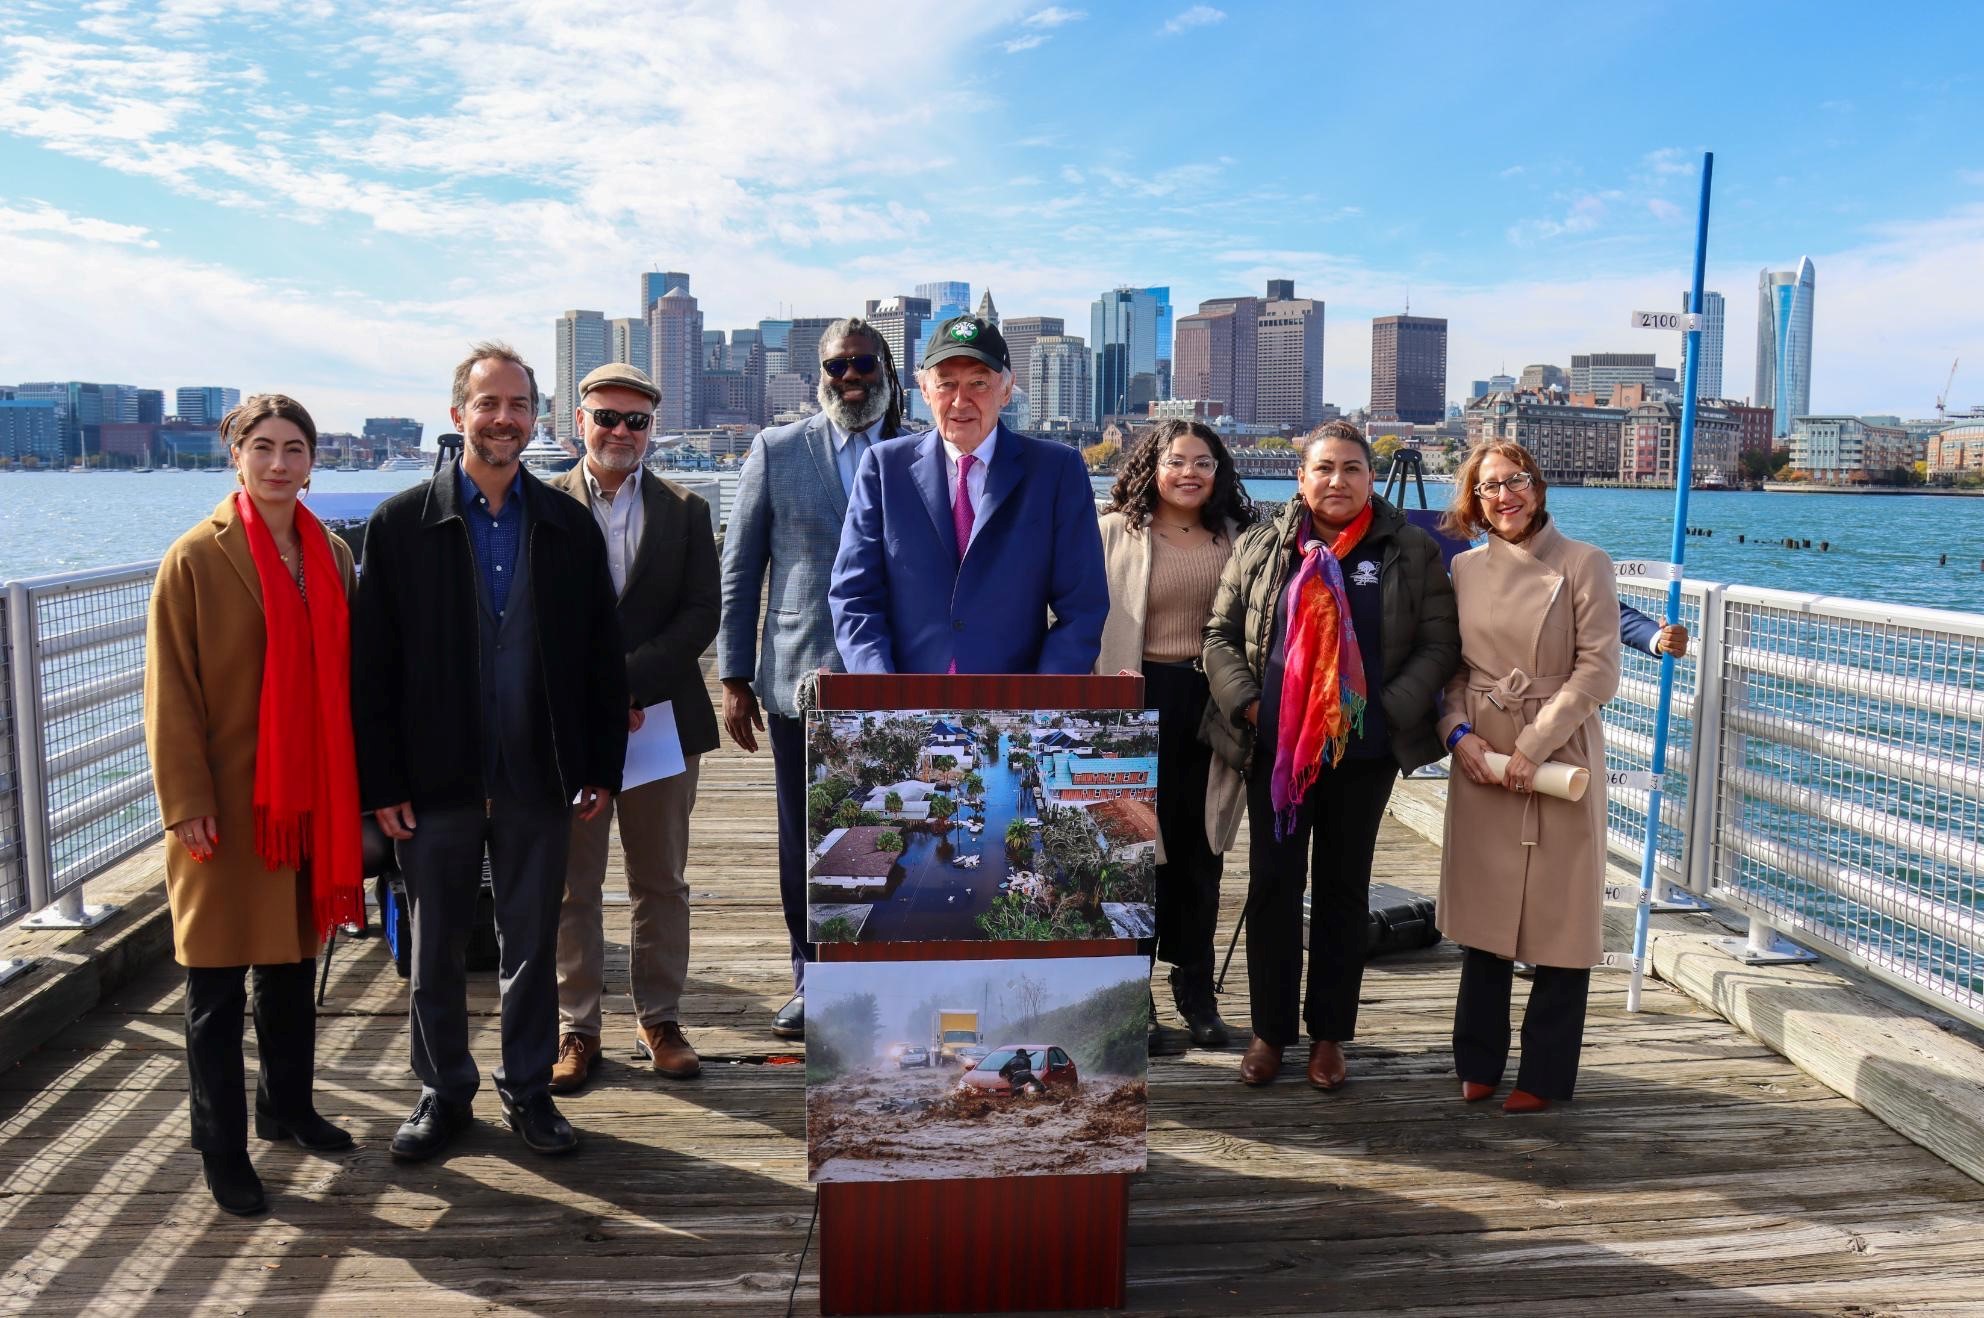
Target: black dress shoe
x,y
432,1127
235,1187
790,1023
310,1130
537,1120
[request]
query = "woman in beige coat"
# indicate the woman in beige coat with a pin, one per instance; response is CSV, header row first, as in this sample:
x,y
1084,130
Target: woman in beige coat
x,y
1174,514
1522,874
240,890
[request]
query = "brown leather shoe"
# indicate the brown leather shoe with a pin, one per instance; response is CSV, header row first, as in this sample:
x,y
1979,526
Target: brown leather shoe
x,y
1262,1062
578,1054
666,1044
1326,1067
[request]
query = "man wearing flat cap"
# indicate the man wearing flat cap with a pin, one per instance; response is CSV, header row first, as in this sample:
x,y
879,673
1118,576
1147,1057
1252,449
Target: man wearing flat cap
x,y
970,548
661,552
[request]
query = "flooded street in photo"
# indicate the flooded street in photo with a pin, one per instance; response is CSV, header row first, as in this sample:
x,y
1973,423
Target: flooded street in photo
x,y
932,898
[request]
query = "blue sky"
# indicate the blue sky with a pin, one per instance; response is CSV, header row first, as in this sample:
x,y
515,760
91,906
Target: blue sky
x,y
333,198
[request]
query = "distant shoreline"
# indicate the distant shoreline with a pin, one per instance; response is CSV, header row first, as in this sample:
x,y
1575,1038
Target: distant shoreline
x,y
1807,487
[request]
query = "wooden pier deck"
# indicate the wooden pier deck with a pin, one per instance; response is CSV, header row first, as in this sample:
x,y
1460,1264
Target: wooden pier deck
x,y
1696,1173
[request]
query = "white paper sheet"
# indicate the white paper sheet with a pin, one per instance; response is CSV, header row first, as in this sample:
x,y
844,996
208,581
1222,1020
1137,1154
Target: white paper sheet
x,y
655,751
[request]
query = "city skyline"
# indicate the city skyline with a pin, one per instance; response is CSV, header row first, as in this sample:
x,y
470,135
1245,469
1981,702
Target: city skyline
x,y
333,202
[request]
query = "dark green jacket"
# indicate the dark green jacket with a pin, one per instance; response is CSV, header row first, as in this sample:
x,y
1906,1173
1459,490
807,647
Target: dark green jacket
x,y
1420,632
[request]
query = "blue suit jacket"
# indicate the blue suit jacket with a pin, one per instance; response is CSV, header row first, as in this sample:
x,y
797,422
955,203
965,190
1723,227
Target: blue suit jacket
x,y
904,603
1636,629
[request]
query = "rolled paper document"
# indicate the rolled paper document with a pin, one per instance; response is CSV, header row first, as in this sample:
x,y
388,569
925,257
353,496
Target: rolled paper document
x,y
1566,782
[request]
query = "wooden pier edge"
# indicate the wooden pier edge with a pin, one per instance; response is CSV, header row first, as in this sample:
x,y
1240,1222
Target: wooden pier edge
x,y
1860,1038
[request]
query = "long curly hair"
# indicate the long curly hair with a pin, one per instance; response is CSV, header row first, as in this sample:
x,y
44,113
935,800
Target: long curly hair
x,y
1135,492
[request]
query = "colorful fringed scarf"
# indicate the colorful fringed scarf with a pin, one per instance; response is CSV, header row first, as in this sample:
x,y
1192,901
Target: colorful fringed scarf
x,y
306,775
1323,693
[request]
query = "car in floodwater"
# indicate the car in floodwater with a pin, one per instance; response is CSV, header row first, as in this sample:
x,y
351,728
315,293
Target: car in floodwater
x,y
972,1056
1050,1065
912,1054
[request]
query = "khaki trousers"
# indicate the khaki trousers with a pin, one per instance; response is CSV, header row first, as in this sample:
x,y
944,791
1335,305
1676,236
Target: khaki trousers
x,y
654,844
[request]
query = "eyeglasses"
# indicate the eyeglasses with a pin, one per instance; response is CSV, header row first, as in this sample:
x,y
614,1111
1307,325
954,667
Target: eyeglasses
x,y
1519,482
1203,466
863,364
606,418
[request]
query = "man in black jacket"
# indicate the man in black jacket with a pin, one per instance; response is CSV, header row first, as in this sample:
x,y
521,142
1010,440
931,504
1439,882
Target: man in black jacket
x,y
489,691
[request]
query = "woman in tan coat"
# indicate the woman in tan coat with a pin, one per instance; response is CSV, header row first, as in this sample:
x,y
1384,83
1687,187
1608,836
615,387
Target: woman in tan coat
x,y
1174,515
247,718
1522,874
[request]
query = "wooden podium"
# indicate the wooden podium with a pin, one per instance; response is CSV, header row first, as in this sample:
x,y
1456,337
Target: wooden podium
x,y
987,1244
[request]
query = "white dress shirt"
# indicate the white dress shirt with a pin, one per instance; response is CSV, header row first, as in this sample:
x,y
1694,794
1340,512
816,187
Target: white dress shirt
x,y
621,520
975,486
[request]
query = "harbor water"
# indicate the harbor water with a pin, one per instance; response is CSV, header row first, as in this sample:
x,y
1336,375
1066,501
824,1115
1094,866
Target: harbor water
x,y
1900,549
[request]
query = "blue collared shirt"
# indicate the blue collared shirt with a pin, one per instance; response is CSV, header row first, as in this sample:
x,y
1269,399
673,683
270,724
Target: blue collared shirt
x,y
495,539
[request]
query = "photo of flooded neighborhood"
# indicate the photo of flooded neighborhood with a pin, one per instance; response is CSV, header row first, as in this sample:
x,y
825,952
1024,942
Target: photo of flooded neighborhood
x,y
939,1070
1000,824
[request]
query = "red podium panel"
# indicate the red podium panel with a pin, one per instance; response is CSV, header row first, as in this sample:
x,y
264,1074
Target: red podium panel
x,y
987,1244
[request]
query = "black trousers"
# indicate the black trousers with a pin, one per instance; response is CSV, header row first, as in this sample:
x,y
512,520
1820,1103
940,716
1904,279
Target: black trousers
x,y
788,738
285,1037
526,845
1336,834
1552,1025
1188,880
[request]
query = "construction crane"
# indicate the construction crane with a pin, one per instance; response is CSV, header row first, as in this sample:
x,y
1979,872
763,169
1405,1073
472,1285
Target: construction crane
x,y
1943,398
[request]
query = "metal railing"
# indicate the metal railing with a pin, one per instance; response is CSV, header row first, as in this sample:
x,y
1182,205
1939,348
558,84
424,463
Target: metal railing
x,y
83,786
1836,749
1629,721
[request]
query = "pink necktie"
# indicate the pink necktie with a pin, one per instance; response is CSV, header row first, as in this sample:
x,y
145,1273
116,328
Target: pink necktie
x,y
961,506
961,512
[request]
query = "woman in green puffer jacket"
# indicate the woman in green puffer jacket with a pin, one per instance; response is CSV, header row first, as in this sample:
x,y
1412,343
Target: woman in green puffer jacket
x,y
1332,634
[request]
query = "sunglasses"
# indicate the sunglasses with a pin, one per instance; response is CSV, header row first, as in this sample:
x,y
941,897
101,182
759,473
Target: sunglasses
x,y
864,364
606,418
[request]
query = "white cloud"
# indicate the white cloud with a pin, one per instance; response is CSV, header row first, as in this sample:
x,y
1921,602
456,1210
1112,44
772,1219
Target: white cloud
x,y
1585,213
1196,16
1054,16
46,219
1027,42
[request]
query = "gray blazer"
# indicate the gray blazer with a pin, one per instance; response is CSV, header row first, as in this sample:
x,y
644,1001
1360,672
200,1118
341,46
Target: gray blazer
x,y
786,518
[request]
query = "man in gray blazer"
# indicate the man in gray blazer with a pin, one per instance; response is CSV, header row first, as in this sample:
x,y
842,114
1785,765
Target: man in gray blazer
x,y
661,554
785,522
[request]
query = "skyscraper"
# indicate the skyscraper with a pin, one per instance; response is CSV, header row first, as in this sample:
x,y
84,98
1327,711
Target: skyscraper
x,y
1784,343
946,298
1129,329
1021,333
1058,381
1288,379
205,403
900,321
583,347
987,310
627,341
716,350
1708,376
675,343
657,284
1409,369
802,348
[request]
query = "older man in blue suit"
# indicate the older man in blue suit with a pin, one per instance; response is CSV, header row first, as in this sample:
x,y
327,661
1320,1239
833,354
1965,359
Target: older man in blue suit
x,y
784,527
960,543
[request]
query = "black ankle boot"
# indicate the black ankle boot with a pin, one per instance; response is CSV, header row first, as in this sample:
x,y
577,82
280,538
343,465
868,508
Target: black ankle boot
x,y
235,1187
1192,987
310,1131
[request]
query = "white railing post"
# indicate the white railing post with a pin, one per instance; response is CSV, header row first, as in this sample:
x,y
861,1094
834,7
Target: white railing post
x,y
1704,767
29,742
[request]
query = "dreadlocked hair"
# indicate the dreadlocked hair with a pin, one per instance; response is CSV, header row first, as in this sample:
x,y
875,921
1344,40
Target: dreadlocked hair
x,y
1135,492
891,419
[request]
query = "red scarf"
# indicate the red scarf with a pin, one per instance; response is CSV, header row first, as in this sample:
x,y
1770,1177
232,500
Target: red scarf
x,y
1323,693
306,773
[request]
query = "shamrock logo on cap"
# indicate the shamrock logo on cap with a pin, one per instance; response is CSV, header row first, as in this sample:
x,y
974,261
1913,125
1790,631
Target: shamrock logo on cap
x,y
964,331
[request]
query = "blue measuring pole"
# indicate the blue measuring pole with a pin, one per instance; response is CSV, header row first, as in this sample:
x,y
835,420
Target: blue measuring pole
x,y
1684,470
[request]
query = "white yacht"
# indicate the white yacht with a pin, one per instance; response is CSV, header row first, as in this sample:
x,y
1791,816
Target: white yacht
x,y
404,462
